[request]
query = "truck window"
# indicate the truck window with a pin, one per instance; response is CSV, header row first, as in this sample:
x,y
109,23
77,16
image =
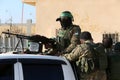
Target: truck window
x,y
43,72
6,71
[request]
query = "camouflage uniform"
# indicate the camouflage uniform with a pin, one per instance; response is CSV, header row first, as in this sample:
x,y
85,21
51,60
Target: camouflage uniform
x,y
76,55
68,38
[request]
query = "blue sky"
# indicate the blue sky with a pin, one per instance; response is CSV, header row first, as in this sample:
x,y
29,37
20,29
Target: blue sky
x,y
12,9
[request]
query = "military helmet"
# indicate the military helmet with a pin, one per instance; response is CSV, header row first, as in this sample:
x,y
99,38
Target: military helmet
x,y
65,14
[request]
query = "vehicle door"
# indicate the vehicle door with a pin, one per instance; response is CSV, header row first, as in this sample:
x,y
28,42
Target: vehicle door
x,y
10,69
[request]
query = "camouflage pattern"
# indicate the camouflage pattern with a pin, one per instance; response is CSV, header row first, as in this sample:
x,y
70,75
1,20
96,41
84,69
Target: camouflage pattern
x,y
68,38
80,51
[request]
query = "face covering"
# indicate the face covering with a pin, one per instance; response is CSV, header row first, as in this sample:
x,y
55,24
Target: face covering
x,y
65,22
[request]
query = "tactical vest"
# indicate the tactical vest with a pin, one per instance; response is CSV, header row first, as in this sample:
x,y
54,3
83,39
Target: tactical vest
x,y
64,37
93,58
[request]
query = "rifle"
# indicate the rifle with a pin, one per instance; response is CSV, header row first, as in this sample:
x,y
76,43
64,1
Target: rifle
x,y
21,37
34,38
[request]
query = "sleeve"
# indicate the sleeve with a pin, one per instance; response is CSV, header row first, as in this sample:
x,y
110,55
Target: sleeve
x,y
74,39
76,35
74,55
70,48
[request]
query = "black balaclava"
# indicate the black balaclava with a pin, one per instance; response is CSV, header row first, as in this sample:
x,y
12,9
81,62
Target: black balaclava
x,y
65,22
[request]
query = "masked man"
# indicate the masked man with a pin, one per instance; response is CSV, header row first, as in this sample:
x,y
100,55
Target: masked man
x,y
68,34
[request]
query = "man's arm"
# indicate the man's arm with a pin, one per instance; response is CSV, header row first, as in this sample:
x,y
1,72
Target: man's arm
x,y
75,40
74,55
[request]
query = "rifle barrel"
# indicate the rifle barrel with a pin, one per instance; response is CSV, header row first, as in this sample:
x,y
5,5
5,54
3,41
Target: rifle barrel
x,y
17,35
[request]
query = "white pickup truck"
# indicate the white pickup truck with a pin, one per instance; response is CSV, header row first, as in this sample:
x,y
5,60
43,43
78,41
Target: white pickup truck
x,y
35,67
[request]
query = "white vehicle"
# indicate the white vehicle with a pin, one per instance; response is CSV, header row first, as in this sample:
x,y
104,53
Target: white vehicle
x,y
35,67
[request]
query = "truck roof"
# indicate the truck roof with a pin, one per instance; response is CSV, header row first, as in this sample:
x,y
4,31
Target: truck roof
x,y
34,57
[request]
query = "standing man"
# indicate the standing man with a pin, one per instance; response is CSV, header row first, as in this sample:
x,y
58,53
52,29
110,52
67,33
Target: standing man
x,y
108,45
67,37
114,63
68,34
